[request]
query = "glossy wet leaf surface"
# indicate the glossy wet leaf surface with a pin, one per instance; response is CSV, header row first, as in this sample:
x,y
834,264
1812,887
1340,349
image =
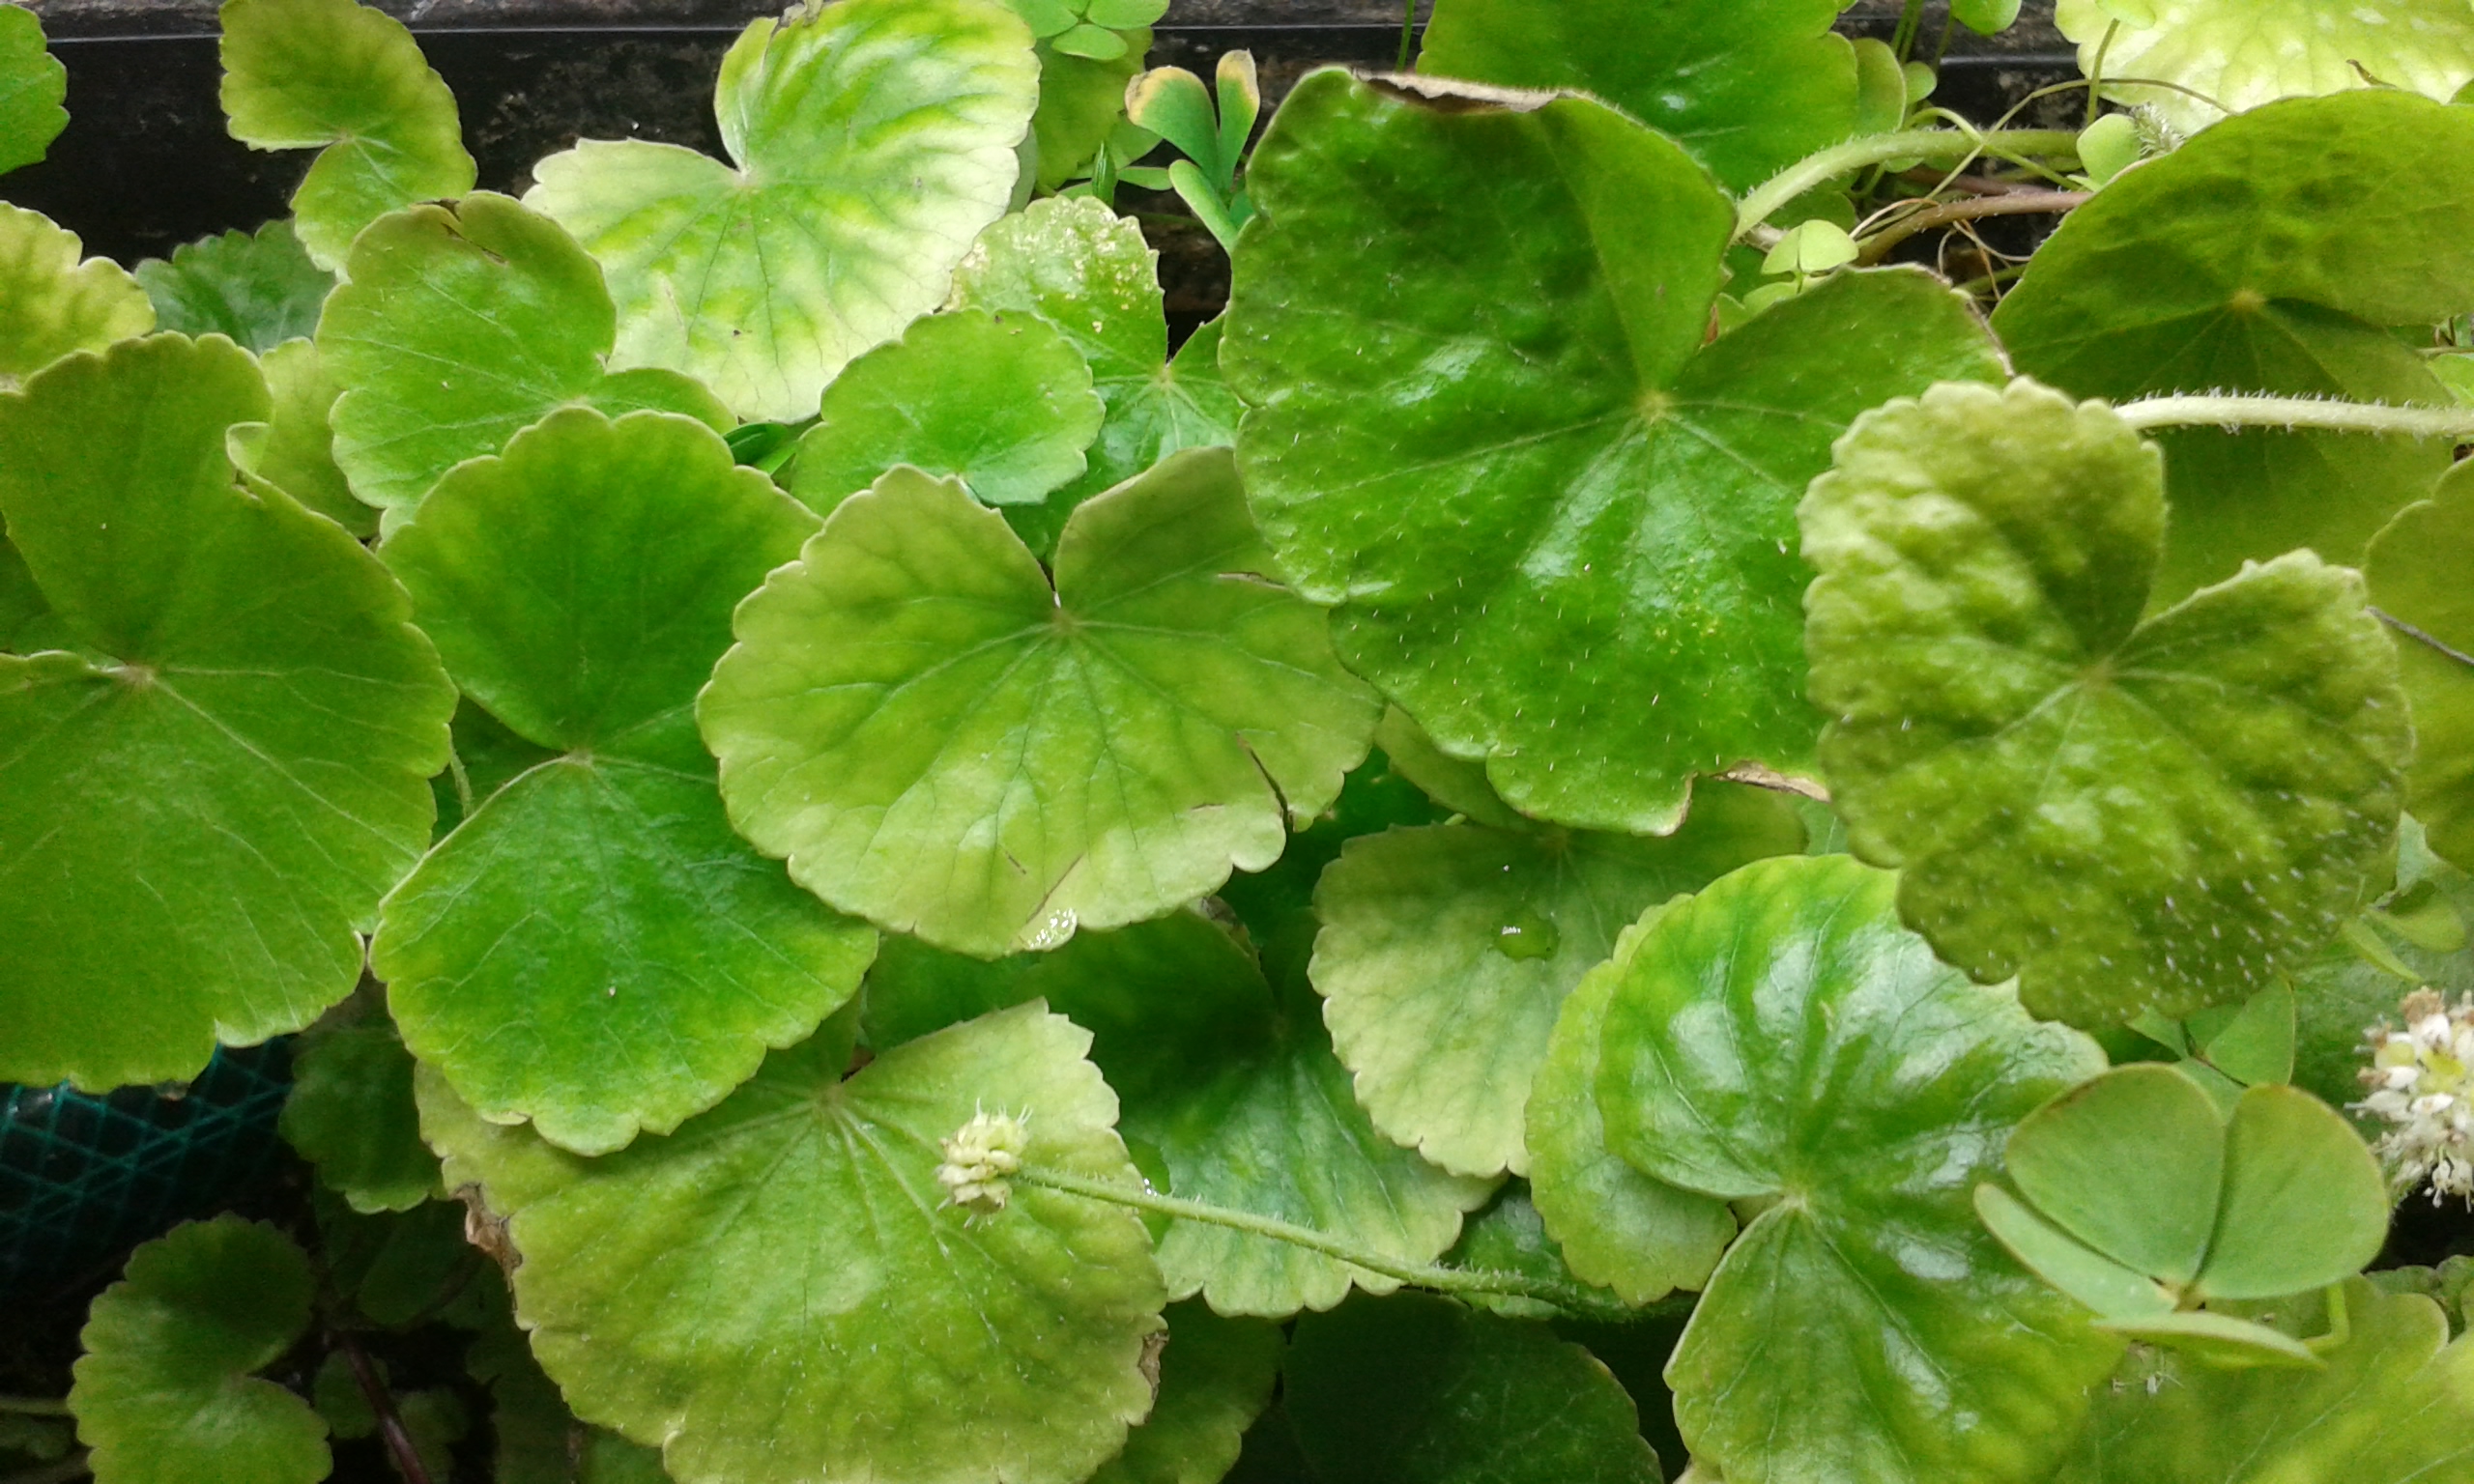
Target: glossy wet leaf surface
x,y
1447,951
941,742
461,325
2413,574
873,141
164,1391
778,1291
54,301
2131,815
349,81
1780,1036
1509,457
2225,266
216,789
32,85
256,288
593,949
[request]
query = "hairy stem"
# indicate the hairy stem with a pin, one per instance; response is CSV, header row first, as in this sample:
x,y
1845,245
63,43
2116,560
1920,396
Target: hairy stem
x,y
2016,203
1929,144
2241,412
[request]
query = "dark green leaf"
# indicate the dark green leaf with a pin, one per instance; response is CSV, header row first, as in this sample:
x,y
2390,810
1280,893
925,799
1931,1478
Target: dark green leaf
x,y
256,288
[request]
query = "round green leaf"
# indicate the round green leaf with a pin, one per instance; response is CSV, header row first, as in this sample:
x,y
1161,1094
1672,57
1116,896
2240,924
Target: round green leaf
x,y
2129,1163
351,1114
593,949
1780,1036
460,326
1003,403
941,742
349,81
2129,816
2394,1404
52,303
874,138
1216,1377
216,788
163,1393
1748,88
1088,271
2413,574
2097,1281
2237,54
1447,951
32,85
1630,1232
293,448
778,1290
1416,1390
2229,265
256,288
2305,1204
1455,783
1511,461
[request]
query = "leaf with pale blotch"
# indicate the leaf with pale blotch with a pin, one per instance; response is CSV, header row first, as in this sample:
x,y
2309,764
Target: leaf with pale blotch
x,y
165,1391
350,1113
778,1291
460,326
1780,1038
258,289
349,81
874,138
2129,816
941,741
32,85
1556,517
1447,951
51,302
219,783
2413,573
1000,401
593,949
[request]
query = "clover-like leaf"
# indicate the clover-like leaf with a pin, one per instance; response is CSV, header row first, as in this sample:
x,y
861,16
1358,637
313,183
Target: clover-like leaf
x,y
593,949
2130,815
1216,1376
164,1392
460,326
873,139
1618,1227
51,302
940,741
1088,271
351,1114
32,85
1780,1038
2412,575
220,782
2222,266
1002,402
1748,88
1231,1097
1415,1390
2393,1403
1527,485
349,81
1447,951
256,288
779,1291
1085,62
2231,55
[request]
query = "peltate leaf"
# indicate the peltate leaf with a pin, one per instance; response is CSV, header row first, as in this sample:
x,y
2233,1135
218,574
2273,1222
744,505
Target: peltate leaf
x,y
460,326
32,85
873,139
2411,572
349,81
1748,88
164,1392
256,288
2130,815
941,742
51,302
1530,487
1779,1038
1216,1377
1447,951
216,787
351,1114
777,1291
593,949
2224,266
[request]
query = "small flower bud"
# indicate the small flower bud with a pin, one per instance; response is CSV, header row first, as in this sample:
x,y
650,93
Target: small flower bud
x,y
2419,1083
979,1157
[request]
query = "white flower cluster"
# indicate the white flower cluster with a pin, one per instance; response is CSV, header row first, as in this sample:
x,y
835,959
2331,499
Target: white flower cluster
x,y
2421,1081
979,1157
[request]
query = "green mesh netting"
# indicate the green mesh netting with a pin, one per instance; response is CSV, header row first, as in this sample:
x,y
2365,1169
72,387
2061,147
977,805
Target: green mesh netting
x,y
84,1176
